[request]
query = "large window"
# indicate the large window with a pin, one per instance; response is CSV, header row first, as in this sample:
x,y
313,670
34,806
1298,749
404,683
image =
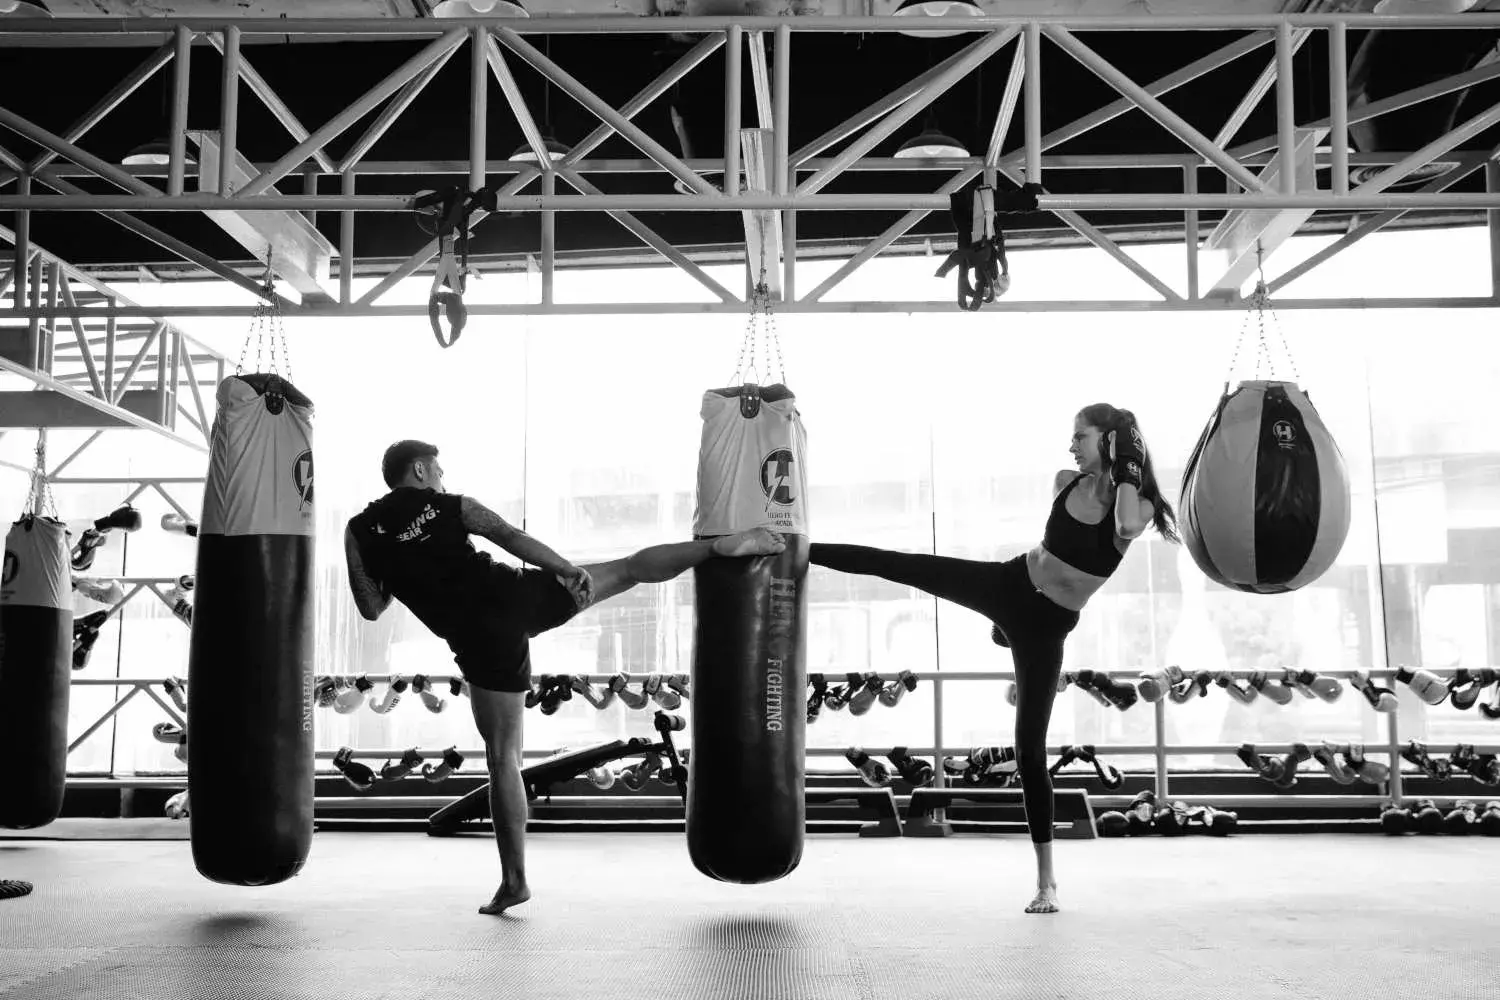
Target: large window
x,y
927,433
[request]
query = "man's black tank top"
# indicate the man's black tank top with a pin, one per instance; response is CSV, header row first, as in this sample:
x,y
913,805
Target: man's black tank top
x,y
1087,547
414,542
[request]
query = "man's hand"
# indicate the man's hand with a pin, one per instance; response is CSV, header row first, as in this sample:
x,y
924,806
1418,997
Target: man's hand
x,y
579,584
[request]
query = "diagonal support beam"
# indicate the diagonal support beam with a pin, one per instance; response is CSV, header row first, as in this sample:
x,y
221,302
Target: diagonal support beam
x,y
135,364
108,103
1370,226
1164,85
1257,92
650,238
1163,115
163,240
592,141
1101,240
976,53
340,122
1434,149
872,113
84,159
391,112
1007,110
760,79
1396,102
500,69
109,409
75,318
899,229
274,104
571,86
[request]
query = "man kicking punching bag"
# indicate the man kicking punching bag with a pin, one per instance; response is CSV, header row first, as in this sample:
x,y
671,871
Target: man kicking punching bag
x,y
745,808
36,650
250,679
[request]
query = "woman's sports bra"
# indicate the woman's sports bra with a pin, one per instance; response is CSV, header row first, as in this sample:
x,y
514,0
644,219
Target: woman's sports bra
x,y
1087,547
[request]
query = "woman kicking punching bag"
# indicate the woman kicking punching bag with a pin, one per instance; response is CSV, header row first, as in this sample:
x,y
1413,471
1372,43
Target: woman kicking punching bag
x,y
745,808
250,727
36,650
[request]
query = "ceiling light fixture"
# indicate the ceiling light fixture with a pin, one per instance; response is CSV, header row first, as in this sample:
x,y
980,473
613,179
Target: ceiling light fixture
x,y
930,9
555,151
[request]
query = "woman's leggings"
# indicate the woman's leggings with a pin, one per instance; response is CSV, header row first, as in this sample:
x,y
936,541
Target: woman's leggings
x,y
1034,625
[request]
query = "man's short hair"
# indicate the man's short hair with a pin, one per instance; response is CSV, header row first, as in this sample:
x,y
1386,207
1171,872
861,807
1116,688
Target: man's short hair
x,y
400,456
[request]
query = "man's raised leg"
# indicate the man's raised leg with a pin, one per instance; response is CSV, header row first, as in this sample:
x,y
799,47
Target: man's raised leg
x,y
660,563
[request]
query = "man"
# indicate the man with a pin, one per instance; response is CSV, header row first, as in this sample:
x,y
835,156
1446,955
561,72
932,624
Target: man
x,y
413,545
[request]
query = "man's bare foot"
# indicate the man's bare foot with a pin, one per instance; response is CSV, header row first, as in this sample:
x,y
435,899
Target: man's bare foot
x,y
755,542
504,899
1045,901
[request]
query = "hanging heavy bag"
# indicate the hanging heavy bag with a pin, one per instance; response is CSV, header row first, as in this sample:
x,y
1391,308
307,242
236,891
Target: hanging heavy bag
x,y
745,795
1265,495
250,677
36,650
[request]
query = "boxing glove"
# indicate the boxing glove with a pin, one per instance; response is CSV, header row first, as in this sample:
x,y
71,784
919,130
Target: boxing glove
x,y
1431,688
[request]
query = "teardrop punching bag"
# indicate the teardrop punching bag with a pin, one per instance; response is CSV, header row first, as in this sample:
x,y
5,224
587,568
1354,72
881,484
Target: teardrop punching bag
x,y
250,679
36,652
1265,496
745,807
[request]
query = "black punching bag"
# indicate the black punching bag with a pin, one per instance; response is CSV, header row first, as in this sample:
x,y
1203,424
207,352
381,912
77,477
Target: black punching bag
x,y
745,807
250,724
36,654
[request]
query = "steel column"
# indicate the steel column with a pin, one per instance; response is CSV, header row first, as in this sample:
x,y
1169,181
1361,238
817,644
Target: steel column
x,y
21,258
733,101
549,238
229,109
479,42
346,241
1032,67
182,54
1286,109
1338,104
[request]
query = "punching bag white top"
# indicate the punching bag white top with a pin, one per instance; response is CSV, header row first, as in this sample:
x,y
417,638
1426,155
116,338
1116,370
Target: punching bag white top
x,y
751,469
36,573
260,466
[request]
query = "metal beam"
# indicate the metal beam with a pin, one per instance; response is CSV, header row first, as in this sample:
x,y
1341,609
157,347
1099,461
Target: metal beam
x,y
117,413
1163,115
362,106
1355,201
592,141
182,48
651,239
1007,106
1256,93
1434,149
273,102
75,317
107,103
83,158
161,239
897,230
571,86
1372,225
391,112
517,101
976,53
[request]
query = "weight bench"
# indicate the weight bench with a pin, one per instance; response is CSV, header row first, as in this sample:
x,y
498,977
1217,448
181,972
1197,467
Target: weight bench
x,y
877,802
993,804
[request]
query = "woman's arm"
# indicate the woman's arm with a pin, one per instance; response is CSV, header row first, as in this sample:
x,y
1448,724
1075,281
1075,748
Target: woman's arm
x,y
370,595
1127,451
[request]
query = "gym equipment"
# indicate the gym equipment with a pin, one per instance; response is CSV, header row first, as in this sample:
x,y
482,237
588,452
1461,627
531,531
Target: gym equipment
x,y
410,761
102,591
745,819
1265,496
1239,690
359,776
177,524
915,772
873,772
452,761
392,696
892,693
1154,685
1431,688
1382,699
1274,690
85,634
250,678
421,685
125,518
36,629
983,271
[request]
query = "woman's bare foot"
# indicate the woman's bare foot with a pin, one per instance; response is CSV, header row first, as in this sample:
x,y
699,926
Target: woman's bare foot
x,y
755,542
504,899
1045,901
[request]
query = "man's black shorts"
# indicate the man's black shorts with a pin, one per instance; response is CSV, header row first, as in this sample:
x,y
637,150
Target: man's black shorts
x,y
492,647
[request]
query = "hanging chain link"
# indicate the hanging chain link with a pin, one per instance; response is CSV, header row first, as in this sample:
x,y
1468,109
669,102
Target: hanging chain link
x,y
1260,305
761,325
265,320
39,499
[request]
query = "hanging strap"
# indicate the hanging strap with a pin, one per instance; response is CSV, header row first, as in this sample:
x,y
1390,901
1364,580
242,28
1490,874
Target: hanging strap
x,y
983,269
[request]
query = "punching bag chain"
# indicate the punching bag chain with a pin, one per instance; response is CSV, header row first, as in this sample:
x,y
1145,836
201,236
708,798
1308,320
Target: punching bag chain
x,y
267,320
761,325
1260,304
39,496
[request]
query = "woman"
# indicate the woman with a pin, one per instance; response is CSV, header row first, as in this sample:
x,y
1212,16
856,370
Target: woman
x,y
1034,600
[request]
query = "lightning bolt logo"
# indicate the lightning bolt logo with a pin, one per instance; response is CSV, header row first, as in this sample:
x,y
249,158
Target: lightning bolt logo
x,y
776,477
